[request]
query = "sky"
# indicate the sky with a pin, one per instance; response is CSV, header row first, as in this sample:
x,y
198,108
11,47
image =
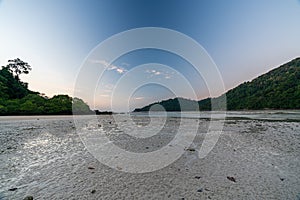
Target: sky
x,y
244,38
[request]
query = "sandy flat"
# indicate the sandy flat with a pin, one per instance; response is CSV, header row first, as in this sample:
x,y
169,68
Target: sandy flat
x,y
46,159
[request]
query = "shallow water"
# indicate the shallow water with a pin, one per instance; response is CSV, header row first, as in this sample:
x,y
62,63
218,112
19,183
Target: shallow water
x,y
278,115
43,156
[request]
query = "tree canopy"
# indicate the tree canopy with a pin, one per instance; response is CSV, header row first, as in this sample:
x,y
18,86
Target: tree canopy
x,y
17,67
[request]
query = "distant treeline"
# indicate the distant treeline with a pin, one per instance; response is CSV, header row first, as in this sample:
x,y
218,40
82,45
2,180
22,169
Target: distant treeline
x,y
17,99
277,89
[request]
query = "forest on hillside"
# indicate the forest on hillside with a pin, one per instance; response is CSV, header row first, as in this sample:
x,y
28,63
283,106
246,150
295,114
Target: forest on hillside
x,y
277,89
17,99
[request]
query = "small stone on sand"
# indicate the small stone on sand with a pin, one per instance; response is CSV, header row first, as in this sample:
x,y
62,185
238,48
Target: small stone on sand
x,y
231,178
12,189
28,198
190,149
200,190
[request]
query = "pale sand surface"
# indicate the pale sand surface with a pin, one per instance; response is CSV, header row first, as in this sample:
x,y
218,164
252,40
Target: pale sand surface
x,y
44,157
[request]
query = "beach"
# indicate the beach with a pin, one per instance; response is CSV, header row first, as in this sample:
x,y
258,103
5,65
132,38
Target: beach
x,y
255,158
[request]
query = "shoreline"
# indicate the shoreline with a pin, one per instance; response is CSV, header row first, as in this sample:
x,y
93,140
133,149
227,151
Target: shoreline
x,y
260,115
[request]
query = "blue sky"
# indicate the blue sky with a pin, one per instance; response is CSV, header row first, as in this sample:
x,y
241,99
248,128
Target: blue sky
x,y
244,38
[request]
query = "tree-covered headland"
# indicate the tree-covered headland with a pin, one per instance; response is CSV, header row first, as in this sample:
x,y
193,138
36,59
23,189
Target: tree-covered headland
x,y
17,99
277,89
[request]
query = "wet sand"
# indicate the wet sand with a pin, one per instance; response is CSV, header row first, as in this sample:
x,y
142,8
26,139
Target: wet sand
x,y
43,157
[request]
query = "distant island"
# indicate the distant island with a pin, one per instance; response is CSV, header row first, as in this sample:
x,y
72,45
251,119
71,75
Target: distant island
x,y
103,112
277,89
17,99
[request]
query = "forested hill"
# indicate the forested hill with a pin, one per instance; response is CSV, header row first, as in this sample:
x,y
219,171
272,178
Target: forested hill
x,y
277,89
17,99
175,104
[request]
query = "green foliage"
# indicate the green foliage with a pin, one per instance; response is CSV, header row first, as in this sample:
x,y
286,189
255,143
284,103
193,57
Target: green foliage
x,y
277,89
3,109
59,105
11,88
32,104
80,107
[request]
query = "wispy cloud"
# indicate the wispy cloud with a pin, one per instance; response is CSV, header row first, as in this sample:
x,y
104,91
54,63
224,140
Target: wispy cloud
x,y
165,74
109,67
108,86
105,90
120,70
125,64
104,95
139,98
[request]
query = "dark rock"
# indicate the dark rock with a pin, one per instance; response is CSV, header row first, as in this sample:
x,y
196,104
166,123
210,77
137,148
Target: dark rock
x,y
12,189
197,177
190,149
282,179
93,191
147,147
90,167
231,178
28,198
200,190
